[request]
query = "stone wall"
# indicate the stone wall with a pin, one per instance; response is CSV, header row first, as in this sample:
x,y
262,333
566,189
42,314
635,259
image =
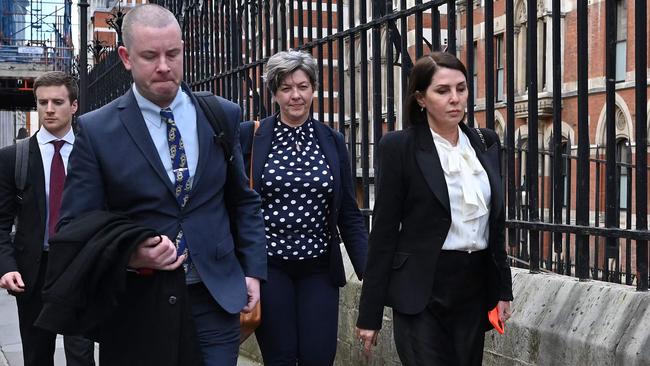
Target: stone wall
x,y
557,320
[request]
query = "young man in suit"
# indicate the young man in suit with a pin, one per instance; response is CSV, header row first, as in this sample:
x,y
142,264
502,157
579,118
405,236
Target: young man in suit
x,y
23,260
153,155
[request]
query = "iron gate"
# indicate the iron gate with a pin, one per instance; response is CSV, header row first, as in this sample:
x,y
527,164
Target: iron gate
x,y
571,218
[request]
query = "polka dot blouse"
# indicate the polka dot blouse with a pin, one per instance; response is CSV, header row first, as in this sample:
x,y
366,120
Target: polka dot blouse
x,y
297,187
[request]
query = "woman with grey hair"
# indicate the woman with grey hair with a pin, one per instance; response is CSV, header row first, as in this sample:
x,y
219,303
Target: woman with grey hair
x,y
301,169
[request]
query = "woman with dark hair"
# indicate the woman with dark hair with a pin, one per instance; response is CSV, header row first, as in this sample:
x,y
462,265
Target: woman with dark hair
x,y
300,168
437,254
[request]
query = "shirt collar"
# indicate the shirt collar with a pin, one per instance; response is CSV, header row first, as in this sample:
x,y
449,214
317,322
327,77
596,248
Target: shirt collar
x,y
149,107
43,136
302,129
450,156
443,142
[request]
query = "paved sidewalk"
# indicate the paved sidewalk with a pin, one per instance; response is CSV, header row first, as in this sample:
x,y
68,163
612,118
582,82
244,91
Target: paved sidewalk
x,y
11,346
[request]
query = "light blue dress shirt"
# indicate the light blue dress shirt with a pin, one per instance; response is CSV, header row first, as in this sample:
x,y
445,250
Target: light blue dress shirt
x,y
185,118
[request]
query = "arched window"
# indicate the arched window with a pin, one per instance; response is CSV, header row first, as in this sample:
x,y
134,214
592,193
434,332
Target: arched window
x,y
521,76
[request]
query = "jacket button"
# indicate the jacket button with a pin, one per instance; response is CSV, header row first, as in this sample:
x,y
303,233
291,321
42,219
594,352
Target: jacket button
x,y
172,300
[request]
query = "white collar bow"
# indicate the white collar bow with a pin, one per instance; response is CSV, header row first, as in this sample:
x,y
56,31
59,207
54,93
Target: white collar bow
x,y
461,160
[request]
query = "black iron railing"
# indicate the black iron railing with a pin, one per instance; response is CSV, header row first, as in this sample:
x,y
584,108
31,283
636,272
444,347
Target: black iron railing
x,y
564,209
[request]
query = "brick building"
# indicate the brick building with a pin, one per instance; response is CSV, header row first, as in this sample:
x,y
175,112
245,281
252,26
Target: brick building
x,y
625,97
102,33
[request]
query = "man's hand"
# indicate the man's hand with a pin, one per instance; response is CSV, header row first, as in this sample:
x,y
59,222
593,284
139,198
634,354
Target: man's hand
x,y
368,339
156,252
12,281
253,290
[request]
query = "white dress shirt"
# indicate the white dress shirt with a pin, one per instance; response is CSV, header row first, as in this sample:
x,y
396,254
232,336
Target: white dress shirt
x,y
44,139
469,194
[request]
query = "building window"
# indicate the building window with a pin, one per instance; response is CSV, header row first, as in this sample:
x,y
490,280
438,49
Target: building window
x,y
564,159
621,40
623,170
542,64
500,70
475,76
521,70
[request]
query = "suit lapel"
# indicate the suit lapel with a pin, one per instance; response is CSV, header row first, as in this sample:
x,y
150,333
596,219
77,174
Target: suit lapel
x,y
37,179
429,162
261,148
489,159
134,124
328,146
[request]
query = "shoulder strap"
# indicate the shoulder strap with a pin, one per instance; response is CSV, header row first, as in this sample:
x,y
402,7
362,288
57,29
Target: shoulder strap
x,y
256,125
480,134
212,109
22,162
488,138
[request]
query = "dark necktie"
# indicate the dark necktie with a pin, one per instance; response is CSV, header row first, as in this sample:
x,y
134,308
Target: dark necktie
x,y
181,173
57,178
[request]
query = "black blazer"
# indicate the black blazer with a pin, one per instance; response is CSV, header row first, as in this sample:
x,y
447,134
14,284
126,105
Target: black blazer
x,y
345,220
411,220
24,254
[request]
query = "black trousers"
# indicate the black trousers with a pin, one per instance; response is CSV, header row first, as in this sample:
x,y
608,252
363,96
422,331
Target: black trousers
x,y
39,344
451,329
299,314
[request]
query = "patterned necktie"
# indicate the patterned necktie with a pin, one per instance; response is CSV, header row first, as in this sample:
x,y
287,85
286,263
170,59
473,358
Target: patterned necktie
x,y
181,174
57,178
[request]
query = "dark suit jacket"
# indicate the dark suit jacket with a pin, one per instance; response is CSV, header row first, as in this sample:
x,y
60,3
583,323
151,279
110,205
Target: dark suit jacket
x,y
411,219
24,254
345,220
114,166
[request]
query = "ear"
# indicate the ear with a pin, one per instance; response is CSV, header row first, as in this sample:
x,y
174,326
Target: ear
x,y
420,99
74,106
125,57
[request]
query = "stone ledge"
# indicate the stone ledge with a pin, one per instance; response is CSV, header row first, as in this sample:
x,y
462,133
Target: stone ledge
x,y
557,320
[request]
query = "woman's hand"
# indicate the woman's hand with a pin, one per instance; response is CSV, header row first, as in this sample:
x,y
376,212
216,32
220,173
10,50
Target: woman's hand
x,y
368,339
504,310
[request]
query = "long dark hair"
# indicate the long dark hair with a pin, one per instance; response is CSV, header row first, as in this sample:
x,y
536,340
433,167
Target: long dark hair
x,y
420,79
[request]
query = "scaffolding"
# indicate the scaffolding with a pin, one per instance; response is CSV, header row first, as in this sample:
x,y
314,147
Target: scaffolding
x,y
35,37
36,32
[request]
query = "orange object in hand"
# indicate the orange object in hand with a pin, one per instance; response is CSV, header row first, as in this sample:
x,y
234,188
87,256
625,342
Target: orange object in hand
x,y
493,317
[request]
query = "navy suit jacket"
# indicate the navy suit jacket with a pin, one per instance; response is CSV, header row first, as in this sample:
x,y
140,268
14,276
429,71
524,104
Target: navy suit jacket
x,y
345,220
114,166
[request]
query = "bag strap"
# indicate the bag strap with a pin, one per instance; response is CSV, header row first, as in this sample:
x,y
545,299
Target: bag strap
x,y
250,168
480,134
210,105
22,162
